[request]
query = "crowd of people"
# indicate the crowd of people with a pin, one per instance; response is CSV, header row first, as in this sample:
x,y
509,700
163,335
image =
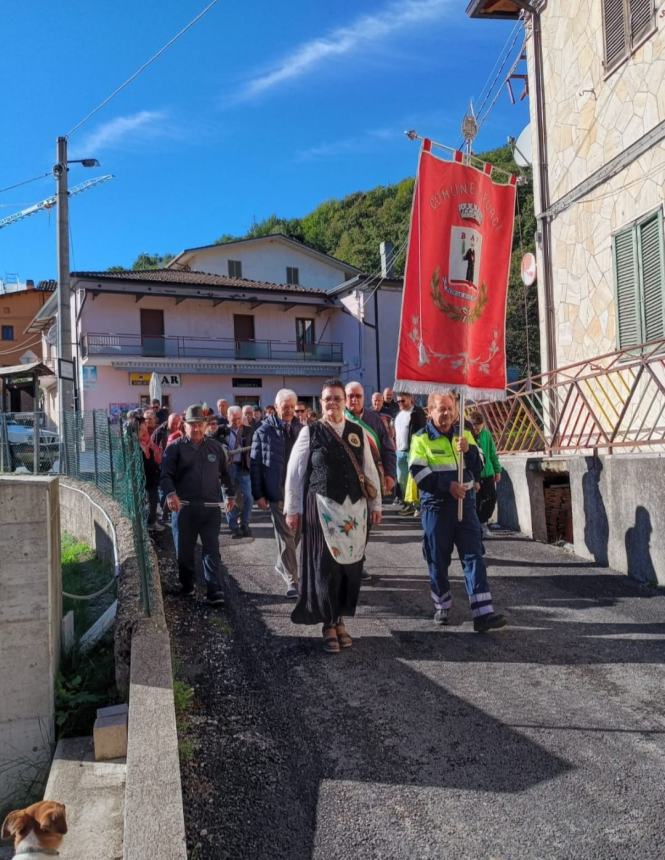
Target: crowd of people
x,y
324,480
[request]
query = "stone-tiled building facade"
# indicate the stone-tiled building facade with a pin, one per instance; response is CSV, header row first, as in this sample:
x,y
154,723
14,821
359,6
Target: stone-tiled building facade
x,y
603,111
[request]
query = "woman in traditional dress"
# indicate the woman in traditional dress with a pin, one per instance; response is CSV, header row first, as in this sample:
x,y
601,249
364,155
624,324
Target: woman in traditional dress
x,y
329,463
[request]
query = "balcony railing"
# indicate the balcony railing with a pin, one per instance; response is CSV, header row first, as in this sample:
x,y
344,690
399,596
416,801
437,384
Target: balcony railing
x,y
611,403
214,349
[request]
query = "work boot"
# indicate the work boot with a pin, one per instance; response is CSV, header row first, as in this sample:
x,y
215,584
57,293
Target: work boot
x,y
485,623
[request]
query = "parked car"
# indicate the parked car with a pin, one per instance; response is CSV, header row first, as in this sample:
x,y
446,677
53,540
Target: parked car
x,y
20,439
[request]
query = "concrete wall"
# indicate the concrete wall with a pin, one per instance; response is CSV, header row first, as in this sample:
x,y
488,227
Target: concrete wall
x,y
618,516
30,617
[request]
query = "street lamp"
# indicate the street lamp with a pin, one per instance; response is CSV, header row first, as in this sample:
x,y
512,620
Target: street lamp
x,y
65,367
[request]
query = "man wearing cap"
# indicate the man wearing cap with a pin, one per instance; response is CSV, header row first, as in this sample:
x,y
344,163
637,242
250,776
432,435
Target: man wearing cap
x,y
193,468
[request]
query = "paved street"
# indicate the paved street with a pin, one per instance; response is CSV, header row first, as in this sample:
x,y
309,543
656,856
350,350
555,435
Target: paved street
x,y
546,740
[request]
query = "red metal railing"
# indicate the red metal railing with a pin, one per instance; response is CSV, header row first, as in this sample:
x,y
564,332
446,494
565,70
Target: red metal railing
x,y
613,402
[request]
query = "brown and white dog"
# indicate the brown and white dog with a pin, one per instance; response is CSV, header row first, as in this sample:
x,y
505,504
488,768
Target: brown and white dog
x,y
37,829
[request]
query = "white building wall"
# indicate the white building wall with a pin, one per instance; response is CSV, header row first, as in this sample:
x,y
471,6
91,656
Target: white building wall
x,y
266,260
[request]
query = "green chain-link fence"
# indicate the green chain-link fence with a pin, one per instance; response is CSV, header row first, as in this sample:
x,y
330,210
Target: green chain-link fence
x,y
103,454
92,450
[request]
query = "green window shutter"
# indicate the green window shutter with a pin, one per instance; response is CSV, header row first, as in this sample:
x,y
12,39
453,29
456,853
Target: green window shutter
x,y
641,18
652,276
627,301
615,32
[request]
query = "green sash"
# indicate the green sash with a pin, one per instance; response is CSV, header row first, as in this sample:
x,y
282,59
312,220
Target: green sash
x,y
365,427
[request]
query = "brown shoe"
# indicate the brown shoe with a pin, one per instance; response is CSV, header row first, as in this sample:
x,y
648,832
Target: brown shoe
x,y
345,641
330,641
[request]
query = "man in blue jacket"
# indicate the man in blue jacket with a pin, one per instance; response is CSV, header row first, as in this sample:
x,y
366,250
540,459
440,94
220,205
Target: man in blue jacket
x,y
433,460
271,446
193,468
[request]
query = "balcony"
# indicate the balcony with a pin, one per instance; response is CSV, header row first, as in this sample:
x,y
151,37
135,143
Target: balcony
x,y
213,349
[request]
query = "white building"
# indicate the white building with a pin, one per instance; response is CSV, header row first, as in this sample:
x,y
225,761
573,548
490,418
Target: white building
x,y
242,336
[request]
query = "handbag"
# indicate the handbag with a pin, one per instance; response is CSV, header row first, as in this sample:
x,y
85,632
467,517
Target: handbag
x,y
367,488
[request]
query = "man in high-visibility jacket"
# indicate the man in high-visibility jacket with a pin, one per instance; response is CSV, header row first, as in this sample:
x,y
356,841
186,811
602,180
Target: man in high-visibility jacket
x,y
433,462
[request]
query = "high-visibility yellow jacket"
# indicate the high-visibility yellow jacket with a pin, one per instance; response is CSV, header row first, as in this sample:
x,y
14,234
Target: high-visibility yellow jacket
x,y
433,462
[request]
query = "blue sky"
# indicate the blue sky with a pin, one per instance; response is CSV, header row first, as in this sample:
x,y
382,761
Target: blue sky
x,y
261,107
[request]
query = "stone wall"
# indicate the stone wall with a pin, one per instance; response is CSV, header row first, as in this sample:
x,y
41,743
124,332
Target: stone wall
x,y
30,619
592,117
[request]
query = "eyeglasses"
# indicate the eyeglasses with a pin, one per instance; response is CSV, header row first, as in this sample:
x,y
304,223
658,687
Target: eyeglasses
x,y
401,400
332,399
355,396
300,410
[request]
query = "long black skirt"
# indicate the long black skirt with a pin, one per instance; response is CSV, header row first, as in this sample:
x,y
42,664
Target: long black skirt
x,y
328,589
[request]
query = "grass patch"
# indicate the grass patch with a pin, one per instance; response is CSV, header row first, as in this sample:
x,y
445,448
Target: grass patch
x,y
183,699
84,683
223,626
83,573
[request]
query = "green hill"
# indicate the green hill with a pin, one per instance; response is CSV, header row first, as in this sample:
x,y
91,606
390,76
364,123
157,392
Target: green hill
x,y
352,228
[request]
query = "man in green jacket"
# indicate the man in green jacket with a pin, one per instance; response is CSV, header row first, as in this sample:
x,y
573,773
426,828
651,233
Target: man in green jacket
x,y
491,474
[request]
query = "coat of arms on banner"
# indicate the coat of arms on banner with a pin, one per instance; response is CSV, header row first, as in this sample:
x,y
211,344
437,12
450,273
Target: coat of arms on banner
x,y
459,294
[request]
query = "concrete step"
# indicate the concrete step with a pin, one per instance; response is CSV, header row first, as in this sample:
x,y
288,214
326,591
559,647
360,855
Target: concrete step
x,y
94,794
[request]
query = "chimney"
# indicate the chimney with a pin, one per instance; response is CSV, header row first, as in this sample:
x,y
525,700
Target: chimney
x,y
386,250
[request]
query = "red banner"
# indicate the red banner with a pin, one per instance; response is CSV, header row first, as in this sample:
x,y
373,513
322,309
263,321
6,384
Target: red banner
x,y
453,326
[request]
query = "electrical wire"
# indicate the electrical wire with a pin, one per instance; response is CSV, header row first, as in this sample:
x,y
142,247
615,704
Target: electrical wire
x,y
142,68
26,182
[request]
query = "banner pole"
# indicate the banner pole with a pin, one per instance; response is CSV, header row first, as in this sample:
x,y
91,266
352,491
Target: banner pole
x,y
460,462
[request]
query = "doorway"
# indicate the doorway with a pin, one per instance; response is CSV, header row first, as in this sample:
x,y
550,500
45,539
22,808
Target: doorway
x,y
152,332
243,332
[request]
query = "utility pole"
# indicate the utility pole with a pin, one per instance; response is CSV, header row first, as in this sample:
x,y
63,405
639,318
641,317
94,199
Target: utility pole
x,y
65,368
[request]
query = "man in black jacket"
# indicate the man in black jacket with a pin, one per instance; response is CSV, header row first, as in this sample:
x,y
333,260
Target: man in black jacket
x,y
193,468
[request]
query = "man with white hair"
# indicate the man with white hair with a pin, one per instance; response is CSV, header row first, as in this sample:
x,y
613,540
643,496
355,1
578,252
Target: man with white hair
x,y
271,447
375,428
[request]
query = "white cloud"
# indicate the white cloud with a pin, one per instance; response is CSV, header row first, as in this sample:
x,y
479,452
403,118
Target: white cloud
x,y
360,144
126,130
357,36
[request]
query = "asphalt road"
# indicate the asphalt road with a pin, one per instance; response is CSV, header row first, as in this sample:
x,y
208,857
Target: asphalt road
x,y
544,740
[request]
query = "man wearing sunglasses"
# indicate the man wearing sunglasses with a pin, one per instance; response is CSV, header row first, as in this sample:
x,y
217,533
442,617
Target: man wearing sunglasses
x,y
301,412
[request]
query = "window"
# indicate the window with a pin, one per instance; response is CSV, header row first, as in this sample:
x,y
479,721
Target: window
x,y
625,24
8,332
246,382
292,275
305,337
639,274
235,268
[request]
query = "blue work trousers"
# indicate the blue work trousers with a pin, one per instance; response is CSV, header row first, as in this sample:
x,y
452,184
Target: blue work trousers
x,y
190,522
442,532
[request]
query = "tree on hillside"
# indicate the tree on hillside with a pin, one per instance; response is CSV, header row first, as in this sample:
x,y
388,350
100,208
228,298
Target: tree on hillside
x,y
145,262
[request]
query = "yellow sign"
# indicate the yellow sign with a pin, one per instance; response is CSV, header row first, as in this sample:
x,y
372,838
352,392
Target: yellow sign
x,y
140,379
167,380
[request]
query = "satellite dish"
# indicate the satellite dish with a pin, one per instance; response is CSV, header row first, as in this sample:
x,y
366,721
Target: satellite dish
x,y
522,148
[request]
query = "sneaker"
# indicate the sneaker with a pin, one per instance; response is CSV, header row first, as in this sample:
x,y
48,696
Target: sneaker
x,y
246,531
441,617
236,533
485,623
215,598
365,577
407,511
292,593
485,529
416,512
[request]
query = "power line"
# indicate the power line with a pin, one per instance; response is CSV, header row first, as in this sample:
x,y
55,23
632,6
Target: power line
x,y
142,68
25,182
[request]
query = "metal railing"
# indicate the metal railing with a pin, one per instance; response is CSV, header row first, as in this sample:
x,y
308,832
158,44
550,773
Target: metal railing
x,y
184,346
613,402
26,443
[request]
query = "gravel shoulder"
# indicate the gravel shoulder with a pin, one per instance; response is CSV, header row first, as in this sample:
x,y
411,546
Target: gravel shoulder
x,y
543,740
